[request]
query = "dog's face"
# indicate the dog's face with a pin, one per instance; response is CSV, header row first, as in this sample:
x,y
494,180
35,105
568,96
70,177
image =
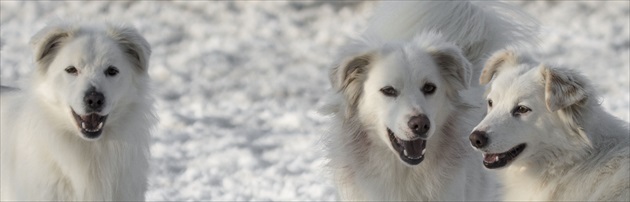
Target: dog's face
x,y
402,93
88,71
516,118
522,103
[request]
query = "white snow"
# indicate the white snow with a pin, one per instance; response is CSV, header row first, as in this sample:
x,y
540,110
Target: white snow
x,y
238,83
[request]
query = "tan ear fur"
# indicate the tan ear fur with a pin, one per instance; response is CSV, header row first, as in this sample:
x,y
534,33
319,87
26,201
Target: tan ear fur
x,y
46,44
567,93
563,87
498,60
133,44
453,65
348,78
349,70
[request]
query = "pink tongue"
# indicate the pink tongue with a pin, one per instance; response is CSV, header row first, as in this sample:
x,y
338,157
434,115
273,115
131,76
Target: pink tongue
x,y
489,158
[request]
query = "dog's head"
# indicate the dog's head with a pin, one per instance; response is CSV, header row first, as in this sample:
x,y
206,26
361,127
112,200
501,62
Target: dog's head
x,y
90,71
532,107
403,92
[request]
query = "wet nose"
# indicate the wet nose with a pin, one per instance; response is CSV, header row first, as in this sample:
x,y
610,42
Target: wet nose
x,y
419,125
478,139
94,100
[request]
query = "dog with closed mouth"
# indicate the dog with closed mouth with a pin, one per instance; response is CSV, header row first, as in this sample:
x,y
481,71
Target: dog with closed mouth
x,y
402,104
547,135
80,129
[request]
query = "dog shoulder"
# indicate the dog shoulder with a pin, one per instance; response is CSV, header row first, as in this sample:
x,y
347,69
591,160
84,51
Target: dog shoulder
x,y
613,176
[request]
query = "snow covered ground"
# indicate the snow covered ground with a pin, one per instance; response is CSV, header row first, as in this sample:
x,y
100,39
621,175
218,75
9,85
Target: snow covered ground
x,y
238,83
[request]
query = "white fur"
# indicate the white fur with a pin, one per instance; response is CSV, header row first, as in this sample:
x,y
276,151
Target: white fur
x,y
407,45
575,150
44,154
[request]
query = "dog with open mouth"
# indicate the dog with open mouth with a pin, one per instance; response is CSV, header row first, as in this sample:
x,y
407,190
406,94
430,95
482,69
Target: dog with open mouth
x,y
403,104
80,130
547,134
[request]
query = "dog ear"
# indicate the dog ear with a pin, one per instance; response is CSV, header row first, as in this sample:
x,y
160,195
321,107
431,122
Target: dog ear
x,y
350,70
133,44
567,92
498,60
46,44
455,68
563,87
348,78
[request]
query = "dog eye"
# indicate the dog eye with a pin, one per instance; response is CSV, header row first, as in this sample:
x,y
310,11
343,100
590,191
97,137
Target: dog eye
x,y
428,88
71,70
111,71
389,91
518,110
489,103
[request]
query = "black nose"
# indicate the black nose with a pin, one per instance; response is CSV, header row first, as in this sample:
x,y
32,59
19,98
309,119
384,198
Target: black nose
x,y
478,139
94,100
419,125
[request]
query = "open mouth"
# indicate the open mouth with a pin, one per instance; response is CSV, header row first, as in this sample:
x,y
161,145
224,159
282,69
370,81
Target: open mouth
x,y
411,152
91,125
492,161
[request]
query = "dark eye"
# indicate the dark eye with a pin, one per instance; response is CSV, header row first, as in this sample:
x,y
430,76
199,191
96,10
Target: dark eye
x,y
489,103
111,71
71,70
518,110
389,91
428,88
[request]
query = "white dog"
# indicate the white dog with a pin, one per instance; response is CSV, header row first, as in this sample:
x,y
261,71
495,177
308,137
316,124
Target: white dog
x,y
81,130
403,104
546,126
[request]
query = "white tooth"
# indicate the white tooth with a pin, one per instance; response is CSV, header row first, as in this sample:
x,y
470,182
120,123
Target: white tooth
x,y
496,158
83,125
405,152
423,150
100,125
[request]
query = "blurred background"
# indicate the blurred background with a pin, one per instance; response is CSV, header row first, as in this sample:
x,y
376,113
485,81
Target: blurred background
x,y
238,83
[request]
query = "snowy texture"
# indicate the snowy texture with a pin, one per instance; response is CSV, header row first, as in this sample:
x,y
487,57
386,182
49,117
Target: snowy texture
x,y
238,83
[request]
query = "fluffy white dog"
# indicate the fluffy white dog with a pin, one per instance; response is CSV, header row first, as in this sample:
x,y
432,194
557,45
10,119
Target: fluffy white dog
x,y
80,130
403,105
547,131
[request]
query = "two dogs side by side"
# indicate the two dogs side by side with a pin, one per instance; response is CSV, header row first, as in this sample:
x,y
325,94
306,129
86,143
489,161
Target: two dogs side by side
x,y
80,129
403,103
